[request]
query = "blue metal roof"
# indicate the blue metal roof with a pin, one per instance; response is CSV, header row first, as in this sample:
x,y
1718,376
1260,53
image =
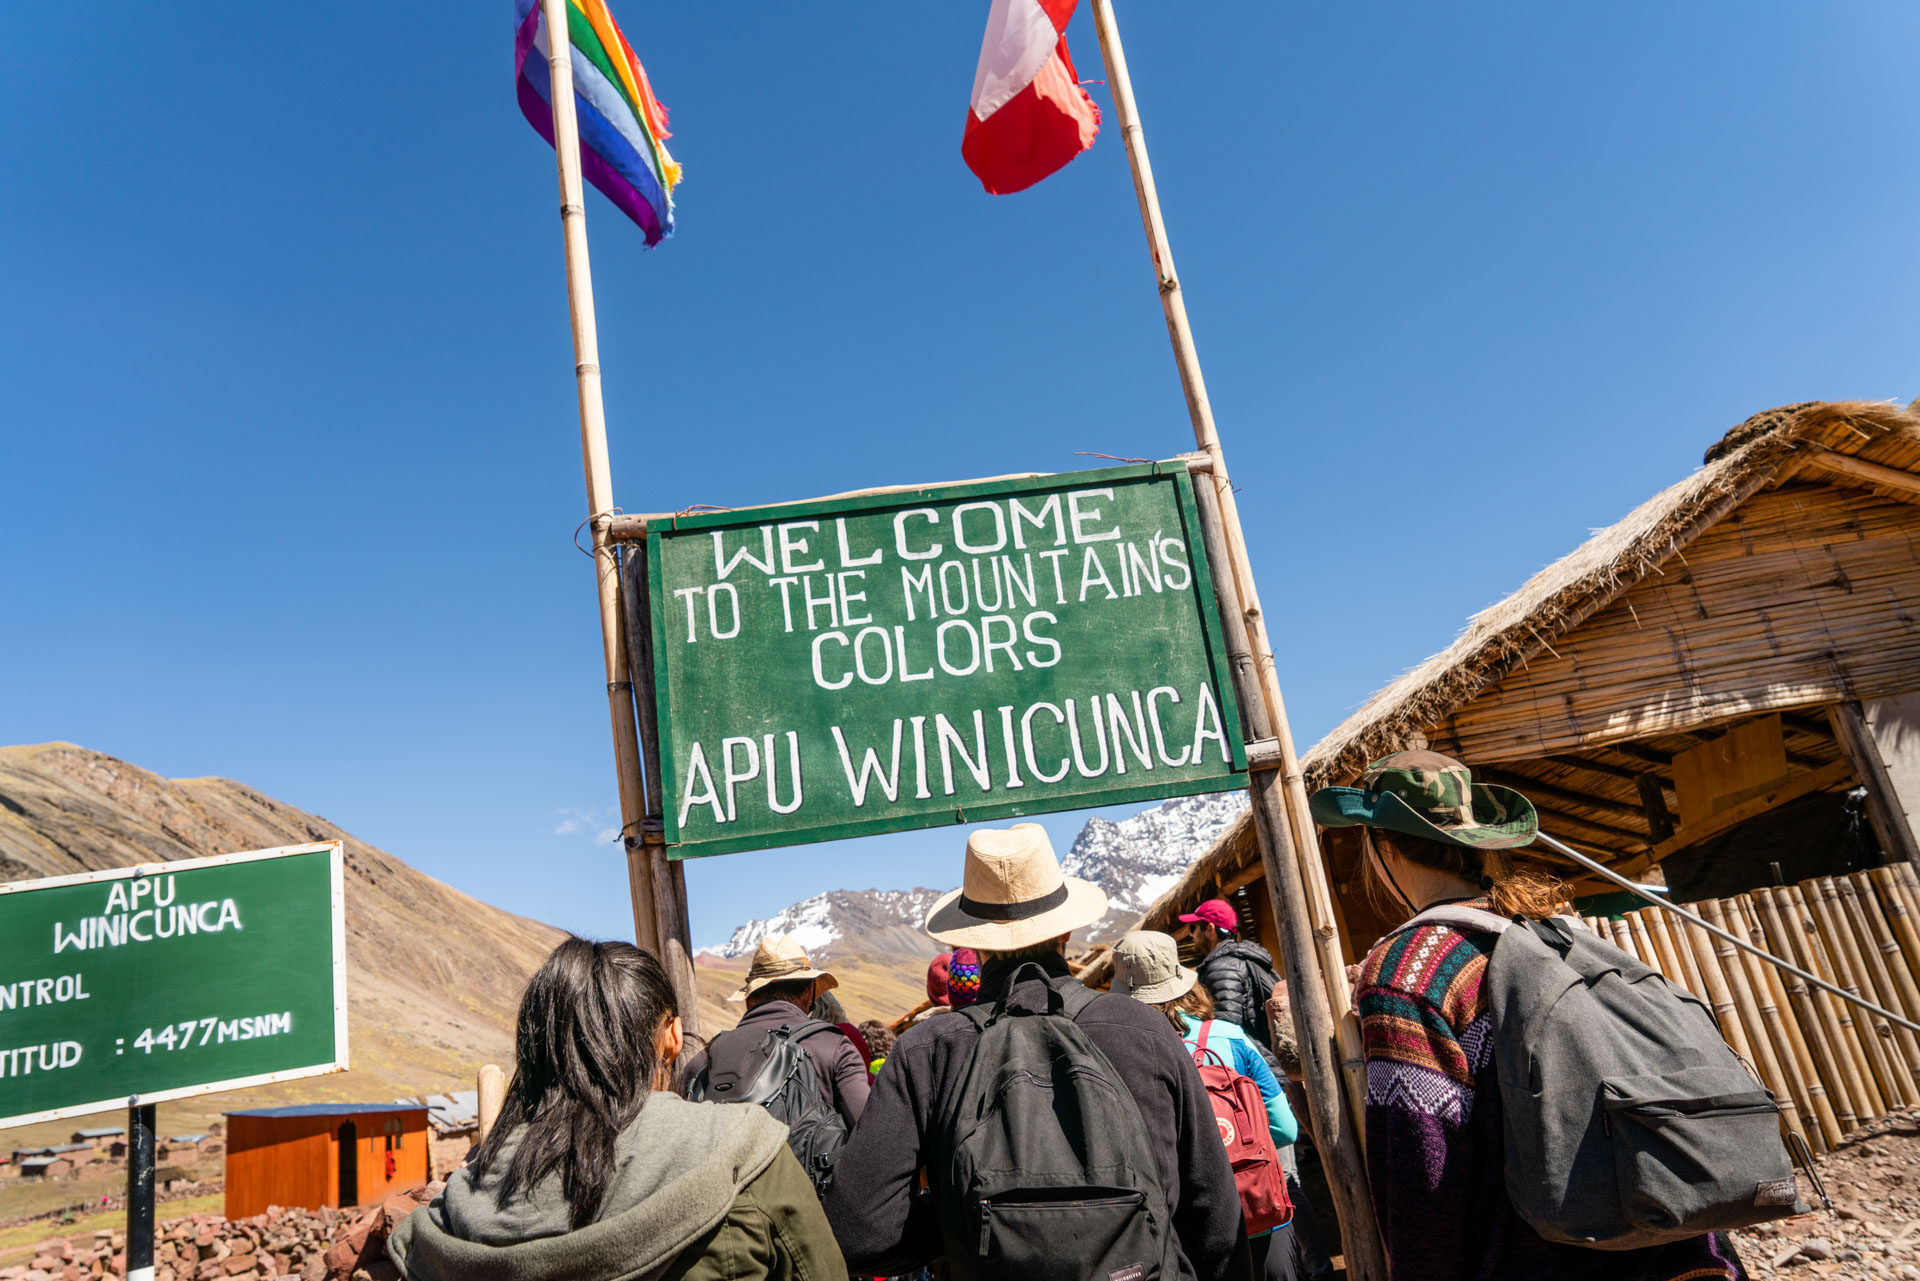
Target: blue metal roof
x,y
333,1109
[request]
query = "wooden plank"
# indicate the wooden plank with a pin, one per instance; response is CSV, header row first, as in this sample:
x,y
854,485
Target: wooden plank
x,y
1720,773
1653,801
1845,469
1885,750
1823,779
1534,789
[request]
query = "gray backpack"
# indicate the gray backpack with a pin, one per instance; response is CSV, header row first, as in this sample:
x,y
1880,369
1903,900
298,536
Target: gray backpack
x,y
1628,1121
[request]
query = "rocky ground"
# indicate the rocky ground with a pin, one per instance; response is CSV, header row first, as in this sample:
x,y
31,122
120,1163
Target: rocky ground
x,y
1873,1231
314,1245
1871,1234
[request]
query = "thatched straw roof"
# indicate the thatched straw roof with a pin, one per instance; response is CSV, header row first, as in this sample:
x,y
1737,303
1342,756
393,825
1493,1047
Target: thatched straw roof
x,y
1851,441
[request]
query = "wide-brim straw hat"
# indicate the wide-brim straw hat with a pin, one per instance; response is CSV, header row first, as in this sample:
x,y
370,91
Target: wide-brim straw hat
x,y
1433,796
1146,967
781,961
1012,894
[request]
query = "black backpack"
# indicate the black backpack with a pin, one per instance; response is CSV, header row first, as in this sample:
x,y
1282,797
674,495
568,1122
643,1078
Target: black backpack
x,y
1627,1121
1043,1170
780,1076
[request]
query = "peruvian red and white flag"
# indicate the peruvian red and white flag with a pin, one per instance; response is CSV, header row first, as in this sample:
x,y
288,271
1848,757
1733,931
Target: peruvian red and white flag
x,y
1029,115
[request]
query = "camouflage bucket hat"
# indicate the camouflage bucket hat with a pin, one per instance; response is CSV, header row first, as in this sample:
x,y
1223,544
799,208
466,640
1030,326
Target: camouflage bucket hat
x,y
1427,794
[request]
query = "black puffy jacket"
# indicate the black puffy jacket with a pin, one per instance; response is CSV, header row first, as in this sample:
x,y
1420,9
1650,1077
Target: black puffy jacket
x,y
1239,992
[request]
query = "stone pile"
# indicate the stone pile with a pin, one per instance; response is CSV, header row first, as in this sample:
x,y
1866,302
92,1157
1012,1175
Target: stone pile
x,y
1873,1231
314,1245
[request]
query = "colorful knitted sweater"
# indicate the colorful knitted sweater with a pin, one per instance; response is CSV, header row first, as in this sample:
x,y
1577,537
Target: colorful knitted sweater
x,y
1434,1148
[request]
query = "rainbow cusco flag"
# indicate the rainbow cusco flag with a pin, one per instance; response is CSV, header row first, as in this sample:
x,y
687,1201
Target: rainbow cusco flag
x,y
623,127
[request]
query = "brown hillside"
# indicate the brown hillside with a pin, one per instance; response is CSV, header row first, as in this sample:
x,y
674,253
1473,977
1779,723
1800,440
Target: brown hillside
x,y
433,976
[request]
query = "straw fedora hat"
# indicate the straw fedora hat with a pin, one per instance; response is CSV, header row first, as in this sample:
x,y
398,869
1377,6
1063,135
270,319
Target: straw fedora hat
x,y
1146,967
1012,894
781,961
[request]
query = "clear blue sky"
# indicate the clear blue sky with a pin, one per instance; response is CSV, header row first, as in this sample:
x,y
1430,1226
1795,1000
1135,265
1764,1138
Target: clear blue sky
x,y
289,459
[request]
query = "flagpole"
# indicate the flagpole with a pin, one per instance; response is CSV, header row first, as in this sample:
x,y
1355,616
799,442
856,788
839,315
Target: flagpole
x,y
1329,1022
659,915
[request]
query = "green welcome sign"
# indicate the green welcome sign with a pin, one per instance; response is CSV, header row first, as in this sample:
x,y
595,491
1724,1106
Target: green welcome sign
x,y
169,980
951,654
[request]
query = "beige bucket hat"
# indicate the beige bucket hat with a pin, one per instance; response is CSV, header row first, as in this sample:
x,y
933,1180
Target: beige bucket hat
x,y
780,961
1013,894
1146,967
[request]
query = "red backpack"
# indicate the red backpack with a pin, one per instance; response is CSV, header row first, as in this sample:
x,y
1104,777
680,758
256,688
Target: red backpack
x,y
1242,1116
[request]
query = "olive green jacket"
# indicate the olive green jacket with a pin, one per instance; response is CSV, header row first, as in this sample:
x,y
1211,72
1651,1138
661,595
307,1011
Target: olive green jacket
x,y
700,1192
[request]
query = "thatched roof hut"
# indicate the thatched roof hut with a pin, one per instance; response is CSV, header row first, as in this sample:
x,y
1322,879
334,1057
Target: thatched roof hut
x,y
1738,644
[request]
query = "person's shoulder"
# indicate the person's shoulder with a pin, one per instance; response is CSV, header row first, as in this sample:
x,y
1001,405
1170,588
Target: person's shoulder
x,y
1248,950
928,1034
1110,1015
1227,1030
1435,965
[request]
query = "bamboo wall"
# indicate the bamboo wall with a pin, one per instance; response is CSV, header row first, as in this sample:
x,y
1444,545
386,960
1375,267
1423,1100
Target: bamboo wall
x,y
1795,599
1831,1065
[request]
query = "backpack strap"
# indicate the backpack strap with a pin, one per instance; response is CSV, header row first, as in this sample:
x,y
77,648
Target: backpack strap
x,y
810,1027
1200,1051
1461,917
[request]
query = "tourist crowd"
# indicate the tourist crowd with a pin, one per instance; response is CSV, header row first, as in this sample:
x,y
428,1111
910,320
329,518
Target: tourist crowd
x,y
1022,1124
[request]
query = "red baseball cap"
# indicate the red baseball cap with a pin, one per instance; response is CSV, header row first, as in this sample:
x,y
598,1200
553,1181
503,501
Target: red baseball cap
x,y
1216,912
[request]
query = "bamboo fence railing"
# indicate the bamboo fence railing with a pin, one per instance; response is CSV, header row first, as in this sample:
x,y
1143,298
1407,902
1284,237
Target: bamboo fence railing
x,y
1833,1066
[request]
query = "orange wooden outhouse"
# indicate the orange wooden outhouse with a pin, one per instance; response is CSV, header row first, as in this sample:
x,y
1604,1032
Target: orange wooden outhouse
x,y
315,1154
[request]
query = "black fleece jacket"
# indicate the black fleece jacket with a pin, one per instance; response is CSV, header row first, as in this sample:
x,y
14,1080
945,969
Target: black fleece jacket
x,y
885,1230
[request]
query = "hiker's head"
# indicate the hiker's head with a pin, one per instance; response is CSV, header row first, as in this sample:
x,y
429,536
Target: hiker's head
x,y
879,1037
1208,926
598,1031
1427,822
1409,872
781,972
1056,946
798,992
827,1008
1013,895
1146,967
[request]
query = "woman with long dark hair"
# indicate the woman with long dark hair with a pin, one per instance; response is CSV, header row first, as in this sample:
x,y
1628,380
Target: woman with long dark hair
x,y
595,1171
1435,1143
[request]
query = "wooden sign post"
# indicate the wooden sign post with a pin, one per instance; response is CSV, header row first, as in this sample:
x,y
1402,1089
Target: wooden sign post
x,y
659,897
1329,1034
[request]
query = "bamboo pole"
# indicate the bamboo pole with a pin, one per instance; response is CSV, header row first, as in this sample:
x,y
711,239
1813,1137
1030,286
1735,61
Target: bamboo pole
x,y
1874,973
1901,914
1671,932
1335,1127
1719,994
1808,1094
1891,955
1365,1256
1823,1059
1643,943
1306,839
1875,1037
1623,937
1833,1015
1759,1040
653,912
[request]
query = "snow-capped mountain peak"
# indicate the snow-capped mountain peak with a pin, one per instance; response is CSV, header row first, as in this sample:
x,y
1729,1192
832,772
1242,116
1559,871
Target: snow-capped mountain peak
x,y
1139,858
879,920
1135,861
